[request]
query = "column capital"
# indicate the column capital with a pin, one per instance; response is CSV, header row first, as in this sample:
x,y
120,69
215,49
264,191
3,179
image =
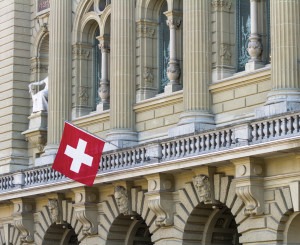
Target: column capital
x,y
104,43
174,19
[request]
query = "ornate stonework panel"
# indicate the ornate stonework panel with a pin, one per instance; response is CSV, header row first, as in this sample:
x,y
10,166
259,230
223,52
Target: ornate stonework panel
x,y
122,199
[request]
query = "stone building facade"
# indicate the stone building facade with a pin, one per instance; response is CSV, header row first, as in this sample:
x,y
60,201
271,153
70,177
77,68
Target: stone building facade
x,y
199,99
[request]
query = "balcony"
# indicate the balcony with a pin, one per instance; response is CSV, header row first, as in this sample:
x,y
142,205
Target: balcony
x,y
260,138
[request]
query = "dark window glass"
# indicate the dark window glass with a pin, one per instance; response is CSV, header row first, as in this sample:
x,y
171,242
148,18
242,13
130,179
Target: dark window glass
x,y
243,23
164,48
96,70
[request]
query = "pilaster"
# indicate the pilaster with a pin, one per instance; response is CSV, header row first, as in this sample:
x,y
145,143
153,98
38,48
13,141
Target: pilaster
x,y
146,50
82,55
197,114
60,74
285,76
223,33
123,73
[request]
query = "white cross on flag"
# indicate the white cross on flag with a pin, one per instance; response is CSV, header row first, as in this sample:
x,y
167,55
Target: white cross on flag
x,y
79,155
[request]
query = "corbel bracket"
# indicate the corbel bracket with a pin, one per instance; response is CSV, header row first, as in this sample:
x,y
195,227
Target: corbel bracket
x,y
85,208
160,198
23,219
249,184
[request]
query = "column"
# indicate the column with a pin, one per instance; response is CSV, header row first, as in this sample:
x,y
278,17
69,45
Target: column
x,y
104,91
197,113
123,73
173,70
285,65
60,72
254,46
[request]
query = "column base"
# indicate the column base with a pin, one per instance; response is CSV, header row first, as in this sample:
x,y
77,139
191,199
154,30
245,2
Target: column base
x,y
279,102
48,157
276,109
102,107
254,65
192,122
172,87
145,93
120,139
221,72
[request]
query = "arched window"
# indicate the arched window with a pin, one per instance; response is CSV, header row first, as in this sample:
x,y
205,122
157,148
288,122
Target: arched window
x,y
96,69
243,25
243,31
164,48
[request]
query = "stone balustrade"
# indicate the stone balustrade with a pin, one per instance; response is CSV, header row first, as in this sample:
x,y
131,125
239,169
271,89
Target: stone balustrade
x,y
248,133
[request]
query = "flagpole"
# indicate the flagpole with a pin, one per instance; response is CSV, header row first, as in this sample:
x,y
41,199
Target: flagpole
x,y
107,141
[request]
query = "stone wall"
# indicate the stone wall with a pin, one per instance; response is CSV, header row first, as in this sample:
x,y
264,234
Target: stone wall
x,y
15,74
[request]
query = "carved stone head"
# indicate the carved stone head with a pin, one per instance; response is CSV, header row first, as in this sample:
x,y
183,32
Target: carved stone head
x,y
122,199
53,208
201,183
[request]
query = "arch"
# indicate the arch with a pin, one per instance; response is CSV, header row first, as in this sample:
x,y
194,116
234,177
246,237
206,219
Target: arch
x,y
292,229
105,21
198,221
89,24
40,36
112,221
82,8
9,235
149,9
40,58
46,227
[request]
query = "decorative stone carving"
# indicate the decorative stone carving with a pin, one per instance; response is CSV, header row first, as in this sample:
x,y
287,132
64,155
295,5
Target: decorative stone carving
x,y
104,91
104,47
39,99
122,199
54,210
148,77
143,31
23,219
37,131
44,27
173,23
160,198
173,72
86,209
249,184
225,54
221,5
202,186
79,51
255,48
83,95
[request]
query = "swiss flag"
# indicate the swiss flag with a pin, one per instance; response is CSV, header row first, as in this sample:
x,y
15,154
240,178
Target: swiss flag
x,y
78,155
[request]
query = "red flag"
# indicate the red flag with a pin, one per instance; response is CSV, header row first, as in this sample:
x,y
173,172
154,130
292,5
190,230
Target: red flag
x,y
78,155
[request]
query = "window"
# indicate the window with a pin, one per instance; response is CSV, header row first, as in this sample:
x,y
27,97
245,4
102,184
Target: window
x,y
164,48
243,23
96,70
